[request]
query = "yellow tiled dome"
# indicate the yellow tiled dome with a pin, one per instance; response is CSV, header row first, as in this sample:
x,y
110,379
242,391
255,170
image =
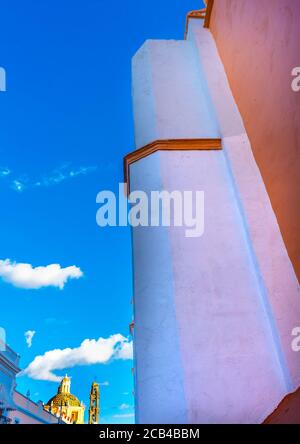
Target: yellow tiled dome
x,y
63,399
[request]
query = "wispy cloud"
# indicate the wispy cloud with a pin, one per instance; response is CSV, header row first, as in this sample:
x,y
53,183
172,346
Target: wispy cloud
x,y
63,173
124,407
57,322
123,415
55,177
104,384
18,185
27,277
91,351
4,172
28,337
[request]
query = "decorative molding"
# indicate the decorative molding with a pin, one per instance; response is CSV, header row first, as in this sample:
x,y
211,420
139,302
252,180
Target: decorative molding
x,y
197,14
168,145
9,364
203,14
209,8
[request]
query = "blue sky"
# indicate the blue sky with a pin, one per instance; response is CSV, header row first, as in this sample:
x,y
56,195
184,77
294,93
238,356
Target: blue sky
x,y
65,125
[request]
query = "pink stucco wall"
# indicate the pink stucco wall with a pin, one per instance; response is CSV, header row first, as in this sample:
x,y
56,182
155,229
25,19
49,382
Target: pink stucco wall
x,y
259,44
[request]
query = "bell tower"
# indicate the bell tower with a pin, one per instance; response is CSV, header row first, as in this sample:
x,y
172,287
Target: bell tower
x,y
94,410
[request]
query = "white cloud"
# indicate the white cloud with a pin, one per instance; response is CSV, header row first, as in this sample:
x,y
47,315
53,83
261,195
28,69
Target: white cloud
x,y
55,177
29,336
57,322
124,415
63,173
27,277
18,185
91,351
126,351
104,384
124,407
4,172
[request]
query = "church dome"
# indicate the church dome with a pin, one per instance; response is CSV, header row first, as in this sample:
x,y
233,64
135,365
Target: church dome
x,y
63,399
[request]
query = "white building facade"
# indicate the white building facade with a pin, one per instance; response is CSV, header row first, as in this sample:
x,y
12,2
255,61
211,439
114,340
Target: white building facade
x,y
214,315
16,408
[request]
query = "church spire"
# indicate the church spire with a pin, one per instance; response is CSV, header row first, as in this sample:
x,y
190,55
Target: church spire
x,y
94,410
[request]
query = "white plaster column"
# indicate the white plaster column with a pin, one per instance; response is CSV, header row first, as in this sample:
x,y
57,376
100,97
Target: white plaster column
x,y
214,314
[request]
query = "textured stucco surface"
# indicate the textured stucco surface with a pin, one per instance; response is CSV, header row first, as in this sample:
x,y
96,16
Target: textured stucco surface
x,y
274,268
259,44
159,387
225,332
213,315
181,108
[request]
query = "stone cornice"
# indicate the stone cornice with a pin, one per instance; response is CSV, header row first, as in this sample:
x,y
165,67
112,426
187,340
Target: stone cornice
x,y
9,364
168,145
204,14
